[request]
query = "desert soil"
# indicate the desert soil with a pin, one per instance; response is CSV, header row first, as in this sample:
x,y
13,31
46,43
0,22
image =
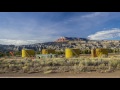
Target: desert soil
x,y
115,74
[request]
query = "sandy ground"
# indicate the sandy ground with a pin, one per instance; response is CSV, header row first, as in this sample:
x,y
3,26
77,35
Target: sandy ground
x,y
115,74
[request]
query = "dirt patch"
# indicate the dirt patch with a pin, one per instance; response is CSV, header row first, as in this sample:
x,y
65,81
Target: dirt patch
x,y
115,74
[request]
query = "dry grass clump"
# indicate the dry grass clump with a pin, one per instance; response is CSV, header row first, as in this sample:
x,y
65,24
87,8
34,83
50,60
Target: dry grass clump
x,y
60,65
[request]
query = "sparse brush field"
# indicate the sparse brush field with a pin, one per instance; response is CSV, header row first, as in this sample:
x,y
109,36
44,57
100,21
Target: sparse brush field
x,y
61,65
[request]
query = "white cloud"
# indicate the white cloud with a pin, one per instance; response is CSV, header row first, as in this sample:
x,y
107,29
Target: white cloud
x,y
108,34
92,15
17,42
90,20
18,31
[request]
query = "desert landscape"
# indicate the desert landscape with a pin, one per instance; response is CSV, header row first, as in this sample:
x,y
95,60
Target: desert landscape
x,y
59,45
82,67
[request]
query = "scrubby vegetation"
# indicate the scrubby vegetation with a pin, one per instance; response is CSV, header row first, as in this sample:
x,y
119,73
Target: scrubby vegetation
x,y
60,65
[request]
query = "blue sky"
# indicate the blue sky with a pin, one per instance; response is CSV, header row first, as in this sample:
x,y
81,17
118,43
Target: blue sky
x,y
35,27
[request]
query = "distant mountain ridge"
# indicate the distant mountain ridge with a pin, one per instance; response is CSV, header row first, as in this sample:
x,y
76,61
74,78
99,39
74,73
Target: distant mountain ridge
x,y
65,42
75,38
65,39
